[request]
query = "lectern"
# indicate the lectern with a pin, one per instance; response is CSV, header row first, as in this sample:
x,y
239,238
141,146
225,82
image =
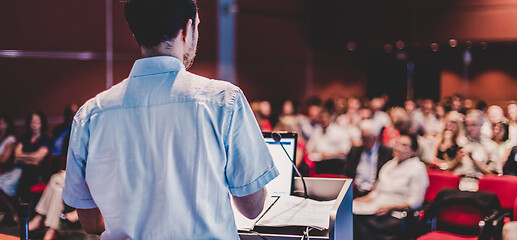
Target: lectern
x,y
323,189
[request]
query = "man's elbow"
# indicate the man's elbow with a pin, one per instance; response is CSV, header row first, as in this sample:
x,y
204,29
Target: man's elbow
x,y
253,213
251,205
97,230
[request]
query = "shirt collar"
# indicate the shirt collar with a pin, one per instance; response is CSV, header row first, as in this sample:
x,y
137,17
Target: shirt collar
x,y
155,65
375,148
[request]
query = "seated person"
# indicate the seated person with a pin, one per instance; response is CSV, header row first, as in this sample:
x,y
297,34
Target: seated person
x,y
479,155
328,145
402,184
29,153
500,135
364,162
50,206
7,142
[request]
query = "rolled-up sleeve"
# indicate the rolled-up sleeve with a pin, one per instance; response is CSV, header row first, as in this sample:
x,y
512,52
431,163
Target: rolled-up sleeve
x,y
76,192
249,164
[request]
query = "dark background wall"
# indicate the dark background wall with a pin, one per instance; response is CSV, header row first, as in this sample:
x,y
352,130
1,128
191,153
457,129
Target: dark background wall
x,y
287,49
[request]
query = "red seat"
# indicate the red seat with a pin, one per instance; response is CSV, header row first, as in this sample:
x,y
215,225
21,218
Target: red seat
x,y
38,188
457,215
439,180
439,235
505,187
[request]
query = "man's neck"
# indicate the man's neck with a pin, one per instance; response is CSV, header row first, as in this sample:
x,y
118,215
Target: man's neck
x,y
162,49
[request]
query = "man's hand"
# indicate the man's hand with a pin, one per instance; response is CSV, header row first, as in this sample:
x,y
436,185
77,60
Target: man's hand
x,y
382,211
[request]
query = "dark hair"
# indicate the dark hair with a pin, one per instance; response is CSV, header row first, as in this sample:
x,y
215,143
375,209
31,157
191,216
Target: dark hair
x,y
313,101
414,140
10,124
43,118
506,127
156,21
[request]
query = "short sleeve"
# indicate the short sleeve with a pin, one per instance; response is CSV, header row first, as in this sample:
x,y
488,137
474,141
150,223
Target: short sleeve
x,y
76,192
249,164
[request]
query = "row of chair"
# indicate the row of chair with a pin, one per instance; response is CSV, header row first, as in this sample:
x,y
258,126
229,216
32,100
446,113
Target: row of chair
x,y
468,215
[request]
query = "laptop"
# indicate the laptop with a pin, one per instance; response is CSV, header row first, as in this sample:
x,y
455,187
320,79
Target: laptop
x,y
282,185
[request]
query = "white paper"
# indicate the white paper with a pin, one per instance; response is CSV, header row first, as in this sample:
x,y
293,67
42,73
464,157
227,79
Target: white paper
x,y
297,211
246,224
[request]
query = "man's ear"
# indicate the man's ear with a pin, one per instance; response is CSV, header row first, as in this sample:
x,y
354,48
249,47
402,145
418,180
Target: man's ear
x,y
187,31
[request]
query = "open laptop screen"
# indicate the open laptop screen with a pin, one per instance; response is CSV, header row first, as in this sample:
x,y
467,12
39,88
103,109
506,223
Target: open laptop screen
x,y
282,184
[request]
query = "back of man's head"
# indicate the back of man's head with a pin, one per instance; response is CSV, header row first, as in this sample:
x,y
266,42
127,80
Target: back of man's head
x,y
156,21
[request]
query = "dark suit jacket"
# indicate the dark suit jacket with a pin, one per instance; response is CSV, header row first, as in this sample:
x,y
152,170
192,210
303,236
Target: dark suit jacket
x,y
354,156
510,167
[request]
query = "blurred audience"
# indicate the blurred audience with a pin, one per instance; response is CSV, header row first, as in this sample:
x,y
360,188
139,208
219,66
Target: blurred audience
x,y
364,162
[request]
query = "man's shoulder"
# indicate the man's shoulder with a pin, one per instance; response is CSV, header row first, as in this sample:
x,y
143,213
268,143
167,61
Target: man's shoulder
x,y
190,85
106,99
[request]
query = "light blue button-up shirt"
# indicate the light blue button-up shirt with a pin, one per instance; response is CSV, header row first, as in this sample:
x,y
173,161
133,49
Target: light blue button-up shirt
x,y
159,152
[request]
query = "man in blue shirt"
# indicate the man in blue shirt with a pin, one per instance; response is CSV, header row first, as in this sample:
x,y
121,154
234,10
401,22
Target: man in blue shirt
x,y
158,155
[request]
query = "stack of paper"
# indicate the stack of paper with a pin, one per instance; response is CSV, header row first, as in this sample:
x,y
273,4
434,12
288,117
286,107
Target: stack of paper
x,y
290,211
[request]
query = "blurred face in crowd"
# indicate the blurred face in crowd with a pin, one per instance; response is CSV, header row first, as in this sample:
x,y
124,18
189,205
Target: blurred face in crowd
x,y
369,139
512,111
3,126
457,104
495,114
473,126
325,119
469,104
35,124
313,112
428,106
440,112
409,106
498,132
288,108
452,126
402,149
353,104
365,113
265,108
376,104
340,104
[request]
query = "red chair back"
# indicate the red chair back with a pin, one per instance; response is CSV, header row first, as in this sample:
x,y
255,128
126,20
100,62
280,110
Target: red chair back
x,y
515,210
461,215
504,186
439,180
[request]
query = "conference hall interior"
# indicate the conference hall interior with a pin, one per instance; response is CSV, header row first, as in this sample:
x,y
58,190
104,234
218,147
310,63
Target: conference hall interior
x,y
354,80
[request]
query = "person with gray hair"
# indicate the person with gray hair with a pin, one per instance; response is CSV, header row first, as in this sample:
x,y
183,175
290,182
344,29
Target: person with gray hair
x,y
479,156
364,162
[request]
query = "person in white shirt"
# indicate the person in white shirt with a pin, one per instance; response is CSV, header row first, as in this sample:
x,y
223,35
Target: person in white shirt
x,y
402,185
329,145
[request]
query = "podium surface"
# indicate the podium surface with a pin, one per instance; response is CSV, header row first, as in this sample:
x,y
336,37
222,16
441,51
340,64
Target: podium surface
x,y
323,189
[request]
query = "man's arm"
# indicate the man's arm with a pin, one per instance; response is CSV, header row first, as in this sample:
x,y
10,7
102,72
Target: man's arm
x,y
91,220
251,205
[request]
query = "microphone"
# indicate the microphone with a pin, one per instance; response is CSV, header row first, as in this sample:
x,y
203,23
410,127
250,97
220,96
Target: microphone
x,y
277,138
